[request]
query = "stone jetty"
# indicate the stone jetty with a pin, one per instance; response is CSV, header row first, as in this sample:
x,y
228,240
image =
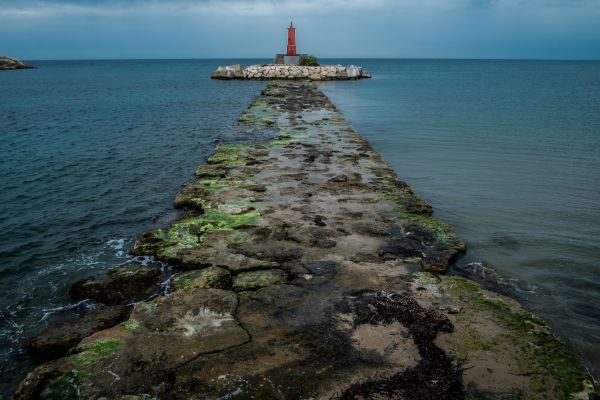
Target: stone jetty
x,y
304,269
293,72
7,63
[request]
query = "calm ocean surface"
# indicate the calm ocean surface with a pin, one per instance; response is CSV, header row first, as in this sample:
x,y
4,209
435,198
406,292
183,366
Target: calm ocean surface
x,y
508,152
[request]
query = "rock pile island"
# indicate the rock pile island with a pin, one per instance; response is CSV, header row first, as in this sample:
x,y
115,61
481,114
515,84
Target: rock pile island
x,y
293,72
291,66
7,63
303,268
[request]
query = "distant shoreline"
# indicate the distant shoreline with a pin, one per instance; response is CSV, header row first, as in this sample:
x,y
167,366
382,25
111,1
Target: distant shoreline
x,y
10,64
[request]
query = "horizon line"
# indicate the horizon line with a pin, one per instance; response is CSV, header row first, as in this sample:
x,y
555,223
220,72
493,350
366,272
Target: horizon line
x,y
323,58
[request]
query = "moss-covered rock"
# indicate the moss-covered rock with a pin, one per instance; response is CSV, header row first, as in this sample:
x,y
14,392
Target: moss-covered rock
x,y
91,353
258,279
65,387
131,326
57,340
188,233
491,328
259,113
211,277
231,155
211,171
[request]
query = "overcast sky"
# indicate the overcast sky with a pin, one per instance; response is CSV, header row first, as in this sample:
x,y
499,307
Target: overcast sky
x,y
91,29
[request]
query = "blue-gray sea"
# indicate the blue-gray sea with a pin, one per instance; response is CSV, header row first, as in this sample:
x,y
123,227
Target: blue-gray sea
x,y
507,152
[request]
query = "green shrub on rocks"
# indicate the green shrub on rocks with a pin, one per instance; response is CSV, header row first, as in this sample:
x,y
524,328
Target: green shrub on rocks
x,y
308,60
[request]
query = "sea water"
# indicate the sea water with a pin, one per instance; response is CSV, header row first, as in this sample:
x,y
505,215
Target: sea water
x,y
507,152
92,155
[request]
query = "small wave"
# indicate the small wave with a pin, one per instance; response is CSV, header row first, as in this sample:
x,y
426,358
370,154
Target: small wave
x,y
85,304
118,245
166,270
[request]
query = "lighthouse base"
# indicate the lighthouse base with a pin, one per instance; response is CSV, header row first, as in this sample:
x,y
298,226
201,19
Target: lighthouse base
x,y
283,59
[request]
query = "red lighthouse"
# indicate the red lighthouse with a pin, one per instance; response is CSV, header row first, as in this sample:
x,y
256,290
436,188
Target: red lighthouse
x,y
291,57
291,47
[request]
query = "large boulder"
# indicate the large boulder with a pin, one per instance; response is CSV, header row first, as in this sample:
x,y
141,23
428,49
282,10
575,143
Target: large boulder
x,y
353,72
57,340
229,72
123,284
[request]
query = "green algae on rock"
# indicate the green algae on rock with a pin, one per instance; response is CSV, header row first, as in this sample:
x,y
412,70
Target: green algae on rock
x,y
302,253
91,353
547,367
66,387
211,277
131,326
257,279
188,233
57,340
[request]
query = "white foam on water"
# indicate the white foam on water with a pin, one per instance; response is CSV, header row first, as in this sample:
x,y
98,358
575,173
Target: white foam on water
x,y
23,316
87,304
118,245
488,274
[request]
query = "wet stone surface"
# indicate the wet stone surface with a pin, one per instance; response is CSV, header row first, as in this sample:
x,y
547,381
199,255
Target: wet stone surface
x,y
299,264
123,284
56,341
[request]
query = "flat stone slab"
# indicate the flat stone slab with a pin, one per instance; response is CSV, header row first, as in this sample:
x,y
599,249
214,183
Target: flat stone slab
x,y
56,341
125,283
301,272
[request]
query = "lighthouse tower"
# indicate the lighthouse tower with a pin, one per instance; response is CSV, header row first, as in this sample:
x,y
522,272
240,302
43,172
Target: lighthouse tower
x,y
291,57
291,47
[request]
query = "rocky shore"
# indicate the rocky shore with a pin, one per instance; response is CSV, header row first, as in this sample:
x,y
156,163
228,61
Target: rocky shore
x,y
7,63
293,72
303,269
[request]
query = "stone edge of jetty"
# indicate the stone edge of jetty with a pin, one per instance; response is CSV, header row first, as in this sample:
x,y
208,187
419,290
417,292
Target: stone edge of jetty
x,y
291,72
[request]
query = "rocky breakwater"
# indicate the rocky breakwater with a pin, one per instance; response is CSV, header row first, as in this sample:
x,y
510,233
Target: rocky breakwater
x,y
293,72
7,63
305,269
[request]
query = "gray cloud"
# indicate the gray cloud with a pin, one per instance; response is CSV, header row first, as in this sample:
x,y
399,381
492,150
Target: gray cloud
x,y
254,28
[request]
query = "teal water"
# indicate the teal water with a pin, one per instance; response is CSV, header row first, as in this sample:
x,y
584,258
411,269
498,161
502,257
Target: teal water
x,y
92,155
506,151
